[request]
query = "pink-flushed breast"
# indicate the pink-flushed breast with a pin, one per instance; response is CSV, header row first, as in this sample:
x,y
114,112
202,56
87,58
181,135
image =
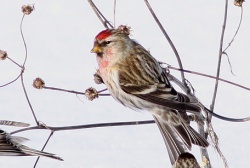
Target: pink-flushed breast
x,y
103,34
103,68
102,63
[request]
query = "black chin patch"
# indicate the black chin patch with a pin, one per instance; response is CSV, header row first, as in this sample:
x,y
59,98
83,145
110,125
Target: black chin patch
x,y
99,54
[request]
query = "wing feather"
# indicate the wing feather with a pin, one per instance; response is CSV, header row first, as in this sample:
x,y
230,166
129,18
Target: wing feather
x,y
150,82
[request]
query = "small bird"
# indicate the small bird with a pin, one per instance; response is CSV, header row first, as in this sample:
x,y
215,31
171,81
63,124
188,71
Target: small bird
x,y
11,146
135,79
186,160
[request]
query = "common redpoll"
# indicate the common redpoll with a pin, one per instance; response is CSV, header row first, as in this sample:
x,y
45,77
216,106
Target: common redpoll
x,y
186,160
11,146
135,79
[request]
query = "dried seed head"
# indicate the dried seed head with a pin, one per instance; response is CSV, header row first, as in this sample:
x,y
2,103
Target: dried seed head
x,y
91,93
124,29
38,83
27,9
238,2
3,55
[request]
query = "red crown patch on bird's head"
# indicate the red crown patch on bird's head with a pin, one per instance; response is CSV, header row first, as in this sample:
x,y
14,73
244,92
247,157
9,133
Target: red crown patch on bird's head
x,y
103,34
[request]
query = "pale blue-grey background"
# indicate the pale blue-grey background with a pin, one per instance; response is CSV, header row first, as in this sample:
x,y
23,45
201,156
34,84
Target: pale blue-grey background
x,y
59,36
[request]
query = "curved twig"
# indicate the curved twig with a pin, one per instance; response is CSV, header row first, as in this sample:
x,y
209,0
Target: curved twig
x,y
230,43
23,86
22,70
12,80
180,84
227,118
169,41
229,62
25,46
238,28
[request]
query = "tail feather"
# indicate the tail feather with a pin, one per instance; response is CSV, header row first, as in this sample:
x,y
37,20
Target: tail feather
x,y
190,136
174,146
33,152
182,132
11,146
196,138
179,138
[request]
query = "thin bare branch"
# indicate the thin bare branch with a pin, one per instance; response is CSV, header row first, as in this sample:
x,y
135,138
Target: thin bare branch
x,y
15,62
230,43
25,46
12,80
226,118
217,84
215,141
238,28
50,135
63,90
22,70
22,81
86,126
28,100
180,84
220,56
210,76
99,14
114,12
229,62
74,92
168,39
102,90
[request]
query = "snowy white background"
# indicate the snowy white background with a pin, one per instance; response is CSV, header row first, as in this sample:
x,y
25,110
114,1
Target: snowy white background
x,y
59,36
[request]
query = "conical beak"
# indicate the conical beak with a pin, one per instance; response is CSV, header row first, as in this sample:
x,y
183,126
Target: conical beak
x,y
97,48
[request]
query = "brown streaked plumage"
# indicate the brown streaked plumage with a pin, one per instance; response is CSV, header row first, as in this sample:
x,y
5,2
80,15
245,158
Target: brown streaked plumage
x,y
11,146
186,160
135,79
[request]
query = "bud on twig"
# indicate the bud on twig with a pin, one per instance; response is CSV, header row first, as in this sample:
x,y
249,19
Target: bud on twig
x,y
27,9
238,2
38,83
3,55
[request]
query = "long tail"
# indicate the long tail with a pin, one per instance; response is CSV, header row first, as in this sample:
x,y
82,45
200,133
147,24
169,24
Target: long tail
x,y
179,138
11,146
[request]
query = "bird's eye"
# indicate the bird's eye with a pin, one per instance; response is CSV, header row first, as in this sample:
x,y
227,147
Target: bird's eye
x,y
106,43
